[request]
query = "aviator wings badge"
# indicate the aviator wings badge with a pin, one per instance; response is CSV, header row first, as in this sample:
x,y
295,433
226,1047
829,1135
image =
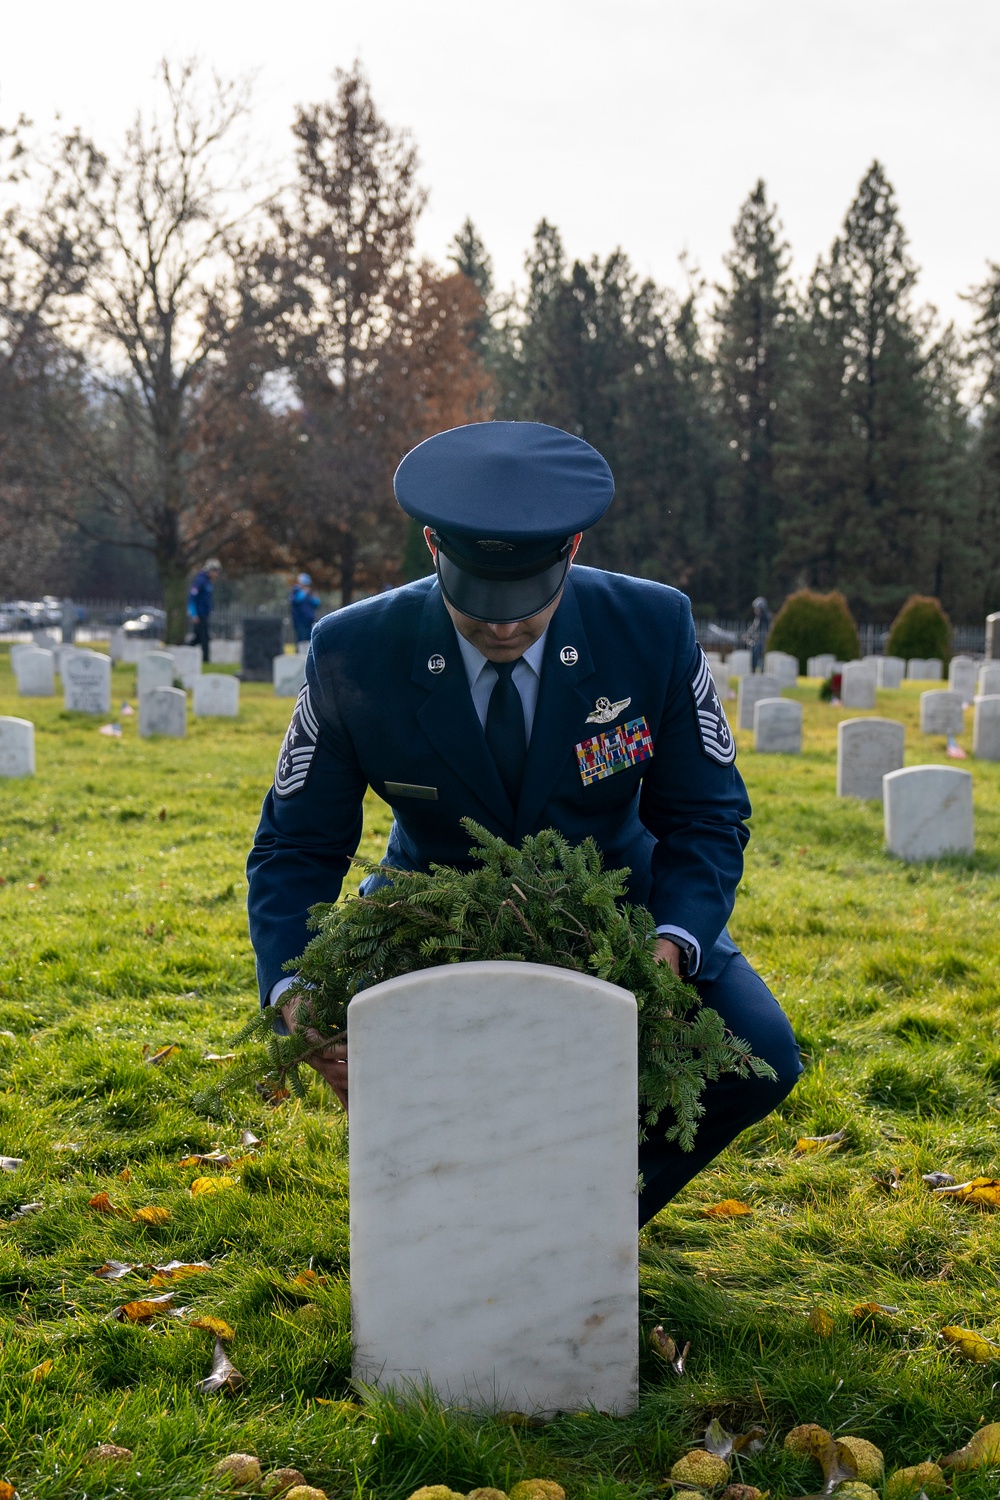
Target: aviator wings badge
x,y
604,710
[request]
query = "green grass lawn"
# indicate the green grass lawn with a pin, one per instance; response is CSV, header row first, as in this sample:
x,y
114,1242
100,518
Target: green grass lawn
x,y
122,911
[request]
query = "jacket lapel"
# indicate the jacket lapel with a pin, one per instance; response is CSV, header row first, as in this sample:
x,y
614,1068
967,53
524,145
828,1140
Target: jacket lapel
x,y
448,717
561,710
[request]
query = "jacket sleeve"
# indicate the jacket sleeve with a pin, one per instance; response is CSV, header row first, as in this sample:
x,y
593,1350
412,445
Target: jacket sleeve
x,y
693,801
310,827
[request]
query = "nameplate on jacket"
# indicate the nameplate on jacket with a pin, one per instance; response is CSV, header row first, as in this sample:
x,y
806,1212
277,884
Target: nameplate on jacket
x,y
406,789
614,750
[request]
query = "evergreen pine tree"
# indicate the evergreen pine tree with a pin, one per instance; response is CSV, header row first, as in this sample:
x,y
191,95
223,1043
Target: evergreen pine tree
x,y
986,447
753,350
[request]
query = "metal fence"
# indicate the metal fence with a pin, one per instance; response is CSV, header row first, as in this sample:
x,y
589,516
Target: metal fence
x,y
723,635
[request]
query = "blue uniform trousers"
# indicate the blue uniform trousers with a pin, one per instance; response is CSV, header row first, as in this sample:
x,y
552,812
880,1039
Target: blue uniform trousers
x,y
731,1103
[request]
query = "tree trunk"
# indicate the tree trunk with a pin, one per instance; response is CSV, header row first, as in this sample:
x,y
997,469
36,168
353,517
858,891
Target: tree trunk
x,y
348,557
175,587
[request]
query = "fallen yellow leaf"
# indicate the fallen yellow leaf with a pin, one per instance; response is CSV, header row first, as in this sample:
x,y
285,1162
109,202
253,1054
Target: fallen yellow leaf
x,y
202,1185
125,1175
164,1275
40,1371
807,1143
151,1216
982,1451
309,1278
820,1322
729,1208
983,1191
7,1491
211,1159
218,1326
971,1345
144,1309
155,1058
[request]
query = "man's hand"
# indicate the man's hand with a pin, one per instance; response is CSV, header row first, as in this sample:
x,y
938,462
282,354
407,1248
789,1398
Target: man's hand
x,y
329,1058
665,952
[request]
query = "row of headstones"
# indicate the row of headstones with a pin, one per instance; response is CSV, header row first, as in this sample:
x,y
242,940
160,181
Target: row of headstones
x,y
777,722
36,669
129,651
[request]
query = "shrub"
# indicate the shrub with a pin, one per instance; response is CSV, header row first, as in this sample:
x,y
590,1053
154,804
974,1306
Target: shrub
x,y
920,629
809,624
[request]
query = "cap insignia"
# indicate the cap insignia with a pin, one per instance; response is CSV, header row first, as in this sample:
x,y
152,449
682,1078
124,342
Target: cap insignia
x,y
496,546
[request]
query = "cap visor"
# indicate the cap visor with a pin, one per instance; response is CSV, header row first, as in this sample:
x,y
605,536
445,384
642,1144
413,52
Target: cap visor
x,y
503,601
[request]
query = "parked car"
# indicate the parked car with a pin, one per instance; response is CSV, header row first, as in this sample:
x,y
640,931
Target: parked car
x,y
149,624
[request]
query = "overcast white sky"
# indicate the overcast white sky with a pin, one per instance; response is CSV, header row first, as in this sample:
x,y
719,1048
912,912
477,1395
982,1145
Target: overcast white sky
x,y
639,123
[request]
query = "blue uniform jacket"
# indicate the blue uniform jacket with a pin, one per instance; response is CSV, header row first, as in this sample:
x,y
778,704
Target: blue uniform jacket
x,y
386,704
199,605
303,606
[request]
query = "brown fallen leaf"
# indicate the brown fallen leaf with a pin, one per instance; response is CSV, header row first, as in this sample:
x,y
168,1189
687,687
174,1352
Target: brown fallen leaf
x,y
270,1095
837,1462
938,1179
40,1371
175,1270
820,1322
125,1175
24,1209
892,1181
970,1344
664,1345
7,1490
156,1058
874,1312
249,1140
218,1326
152,1215
729,1208
107,1453
808,1143
223,1377
717,1440
144,1310
210,1159
982,1451
102,1204
984,1192
308,1278
114,1270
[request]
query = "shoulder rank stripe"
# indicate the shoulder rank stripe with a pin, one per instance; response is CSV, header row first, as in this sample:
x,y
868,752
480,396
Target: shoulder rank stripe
x,y
713,727
298,747
615,750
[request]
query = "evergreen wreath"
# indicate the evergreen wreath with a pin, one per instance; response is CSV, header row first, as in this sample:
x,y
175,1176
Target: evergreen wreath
x,y
547,902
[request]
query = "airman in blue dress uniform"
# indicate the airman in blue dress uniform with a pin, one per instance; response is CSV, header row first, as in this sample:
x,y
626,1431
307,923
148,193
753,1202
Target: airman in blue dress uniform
x,y
525,692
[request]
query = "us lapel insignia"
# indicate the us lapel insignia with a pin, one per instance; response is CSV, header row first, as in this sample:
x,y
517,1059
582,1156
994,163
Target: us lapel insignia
x,y
435,664
569,656
604,710
614,750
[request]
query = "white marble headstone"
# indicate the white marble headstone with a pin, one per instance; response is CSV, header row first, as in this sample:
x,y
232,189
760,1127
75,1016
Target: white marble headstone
x,y
289,675
86,679
216,695
750,691
783,666
988,681
857,684
17,747
933,669
720,676
867,749
35,670
163,710
225,653
915,669
777,726
986,728
928,812
740,663
188,663
134,648
493,1177
890,671
941,712
821,665
962,674
154,669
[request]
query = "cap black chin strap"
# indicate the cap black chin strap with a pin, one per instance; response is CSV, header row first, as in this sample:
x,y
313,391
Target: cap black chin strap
x,y
503,575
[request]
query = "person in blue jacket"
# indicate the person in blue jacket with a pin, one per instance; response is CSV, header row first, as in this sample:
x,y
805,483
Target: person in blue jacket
x,y
199,603
526,692
303,604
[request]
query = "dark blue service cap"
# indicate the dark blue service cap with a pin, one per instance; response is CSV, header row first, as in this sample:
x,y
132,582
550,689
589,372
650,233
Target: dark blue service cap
x,y
503,500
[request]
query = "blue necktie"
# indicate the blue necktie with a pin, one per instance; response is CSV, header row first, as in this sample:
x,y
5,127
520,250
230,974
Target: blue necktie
x,y
505,734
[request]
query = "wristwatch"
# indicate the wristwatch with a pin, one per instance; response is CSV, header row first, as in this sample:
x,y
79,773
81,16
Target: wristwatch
x,y
688,954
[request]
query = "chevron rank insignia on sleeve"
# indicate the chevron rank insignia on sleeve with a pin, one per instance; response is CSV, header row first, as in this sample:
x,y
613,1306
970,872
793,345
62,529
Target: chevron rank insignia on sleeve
x,y
713,726
297,748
